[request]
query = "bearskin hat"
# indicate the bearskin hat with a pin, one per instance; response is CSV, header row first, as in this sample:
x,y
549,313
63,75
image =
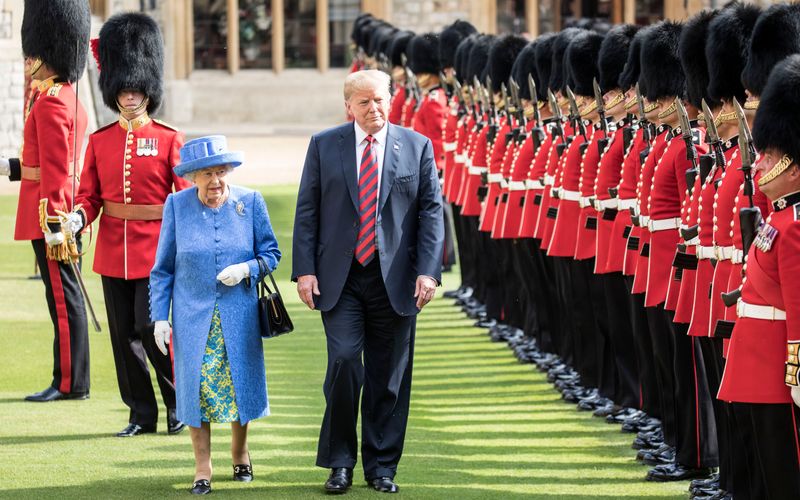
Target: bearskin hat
x,y
57,32
726,50
367,32
461,59
526,65
775,36
358,24
660,65
777,123
398,46
479,57
449,40
632,69
131,56
544,62
502,55
380,40
558,73
423,54
614,54
692,51
582,55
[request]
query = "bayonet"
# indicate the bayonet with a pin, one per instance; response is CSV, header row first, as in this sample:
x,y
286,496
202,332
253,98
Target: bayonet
x,y
445,86
575,113
688,138
712,136
749,217
601,108
537,119
644,123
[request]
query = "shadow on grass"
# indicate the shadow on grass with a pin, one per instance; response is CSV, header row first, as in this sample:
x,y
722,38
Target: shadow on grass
x,y
53,438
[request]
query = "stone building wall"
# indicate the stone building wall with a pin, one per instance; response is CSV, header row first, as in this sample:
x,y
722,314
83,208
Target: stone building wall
x,y
12,79
422,16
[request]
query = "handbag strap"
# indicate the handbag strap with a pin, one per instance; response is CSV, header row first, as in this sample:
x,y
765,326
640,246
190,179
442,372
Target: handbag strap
x,y
264,268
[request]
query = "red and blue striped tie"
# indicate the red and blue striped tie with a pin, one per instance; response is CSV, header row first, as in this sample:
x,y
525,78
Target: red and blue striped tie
x,y
367,204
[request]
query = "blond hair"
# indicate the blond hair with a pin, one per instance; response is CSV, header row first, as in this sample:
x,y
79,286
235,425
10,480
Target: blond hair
x,y
368,79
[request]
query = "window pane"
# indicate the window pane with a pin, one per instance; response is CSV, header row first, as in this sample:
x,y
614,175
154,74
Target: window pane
x,y
255,34
649,11
511,16
210,34
547,16
341,14
301,33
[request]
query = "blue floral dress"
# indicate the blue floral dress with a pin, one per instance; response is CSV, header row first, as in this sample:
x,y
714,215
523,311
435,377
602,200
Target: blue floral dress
x,y
217,395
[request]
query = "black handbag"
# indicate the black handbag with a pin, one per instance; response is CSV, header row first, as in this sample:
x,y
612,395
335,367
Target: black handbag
x,y
272,315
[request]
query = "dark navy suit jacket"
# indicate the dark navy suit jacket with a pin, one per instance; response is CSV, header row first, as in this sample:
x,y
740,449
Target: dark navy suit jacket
x,y
409,224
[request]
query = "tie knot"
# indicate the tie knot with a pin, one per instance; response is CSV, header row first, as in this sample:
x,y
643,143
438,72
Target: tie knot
x,y
369,139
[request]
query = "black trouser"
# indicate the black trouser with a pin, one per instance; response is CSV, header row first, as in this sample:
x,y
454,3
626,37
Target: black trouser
x,y
586,339
649,392
494,295
449,256
663,346
132,342
363,323
531,281
68,313
564,336
775,449
714,364
697,432
546,294
513,291
463,248
606,367
620,334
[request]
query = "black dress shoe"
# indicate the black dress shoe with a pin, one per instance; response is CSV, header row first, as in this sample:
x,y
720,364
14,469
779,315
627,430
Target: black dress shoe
x,y
384,485
243,473
663,455
135,430
709,482
676,472
53,394
174,426
201,487
339,481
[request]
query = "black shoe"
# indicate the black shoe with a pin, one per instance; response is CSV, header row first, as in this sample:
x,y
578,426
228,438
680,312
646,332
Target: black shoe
x,y
135,430
453,294
243,473
201,487
709,482
53,394
663,455
384,485
676,472
339,481
174,426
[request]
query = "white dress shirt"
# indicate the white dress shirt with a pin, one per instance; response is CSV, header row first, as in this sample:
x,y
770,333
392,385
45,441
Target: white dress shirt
x,y
378,147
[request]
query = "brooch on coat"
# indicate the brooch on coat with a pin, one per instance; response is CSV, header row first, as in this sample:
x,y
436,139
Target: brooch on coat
x,y
146,147
240,208
765,237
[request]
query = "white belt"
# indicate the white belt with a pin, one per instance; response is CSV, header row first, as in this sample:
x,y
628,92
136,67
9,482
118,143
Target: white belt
x,y
449,146
626,204
644,220
549,180
664,224
601,205
495,177
534,184
704,252
585,201
723,253
737,256
745,310
503,183
694,241
476,170
460,158
563,194
516,186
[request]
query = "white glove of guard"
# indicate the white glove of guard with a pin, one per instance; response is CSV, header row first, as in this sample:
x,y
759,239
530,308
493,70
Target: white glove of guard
x,y
796,395
234,273
5,168
53,239
161,334
73,224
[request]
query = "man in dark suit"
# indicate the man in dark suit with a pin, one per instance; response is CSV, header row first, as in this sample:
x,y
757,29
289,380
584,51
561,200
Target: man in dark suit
x,y
368,244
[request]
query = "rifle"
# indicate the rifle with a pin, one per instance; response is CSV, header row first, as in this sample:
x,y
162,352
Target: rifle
x,y
492,109
691,151
712,137
575,114
750,217
447,89
601,112
516,106
559,128
537,130
644,124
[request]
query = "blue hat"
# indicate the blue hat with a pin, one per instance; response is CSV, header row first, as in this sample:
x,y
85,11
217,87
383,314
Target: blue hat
x,y
205,152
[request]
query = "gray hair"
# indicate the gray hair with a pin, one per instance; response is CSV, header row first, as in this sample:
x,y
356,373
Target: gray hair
x,y
368,79
189,176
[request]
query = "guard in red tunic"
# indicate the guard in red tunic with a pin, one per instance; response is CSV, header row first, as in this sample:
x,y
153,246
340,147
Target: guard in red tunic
x,y
397,50
55,41
127,176
761,373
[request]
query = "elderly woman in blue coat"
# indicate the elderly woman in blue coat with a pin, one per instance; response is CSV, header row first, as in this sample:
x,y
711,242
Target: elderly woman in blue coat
x,y
206,268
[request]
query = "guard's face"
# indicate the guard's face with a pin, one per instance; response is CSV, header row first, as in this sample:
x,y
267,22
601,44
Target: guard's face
x,y
130,99
369,109
782,185
211,183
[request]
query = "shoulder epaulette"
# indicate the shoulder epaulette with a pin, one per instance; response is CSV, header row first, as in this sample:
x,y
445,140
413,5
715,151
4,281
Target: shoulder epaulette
x,y
55,89
107,126
797,212
165,124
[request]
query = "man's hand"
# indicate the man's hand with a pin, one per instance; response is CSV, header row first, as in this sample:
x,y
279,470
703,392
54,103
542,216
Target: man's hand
x,y
796,395
53,239
424,291
307,287
161,334
72,223
5,167
234,273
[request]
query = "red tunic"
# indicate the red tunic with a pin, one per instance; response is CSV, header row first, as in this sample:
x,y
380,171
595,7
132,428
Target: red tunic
x,y
471,204
685,300
518,189
116,171
396,109
449,147
407,112
588,220
536,188
48,137
459,172
626,195
548,207
430,119
496,154
509,159
609,172
754,371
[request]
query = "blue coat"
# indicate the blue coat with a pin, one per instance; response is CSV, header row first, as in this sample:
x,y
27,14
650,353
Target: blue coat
x,y
195,244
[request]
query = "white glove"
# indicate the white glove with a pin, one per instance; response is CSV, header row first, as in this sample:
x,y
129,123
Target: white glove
x,y
5,168
161,334
234,273
73,224
53,239
796,395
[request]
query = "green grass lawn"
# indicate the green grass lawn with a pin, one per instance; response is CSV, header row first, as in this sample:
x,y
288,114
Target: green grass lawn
x,y
482,425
